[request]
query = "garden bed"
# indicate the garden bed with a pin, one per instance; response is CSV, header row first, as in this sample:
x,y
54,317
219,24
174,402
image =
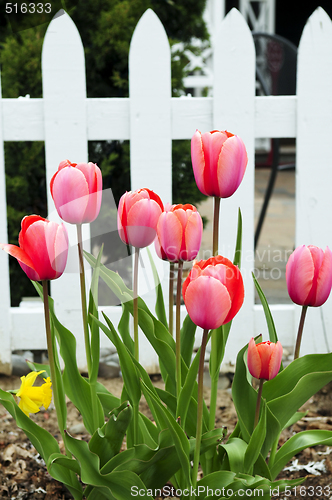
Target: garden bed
x,y
23,474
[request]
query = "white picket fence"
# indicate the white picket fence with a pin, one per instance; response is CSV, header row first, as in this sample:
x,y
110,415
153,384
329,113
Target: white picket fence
x,y
150,118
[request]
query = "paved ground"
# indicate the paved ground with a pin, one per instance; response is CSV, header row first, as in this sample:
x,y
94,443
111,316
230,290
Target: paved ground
x,y
277,237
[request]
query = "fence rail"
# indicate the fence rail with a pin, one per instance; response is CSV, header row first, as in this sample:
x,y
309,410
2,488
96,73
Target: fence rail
x,y
65,119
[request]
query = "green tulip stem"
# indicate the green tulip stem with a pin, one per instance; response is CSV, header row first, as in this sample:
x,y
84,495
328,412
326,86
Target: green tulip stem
x,y
214,381
170,298
178,330
135,303
61,424
199,408
216,225
83,298
299,332
259,398
136,344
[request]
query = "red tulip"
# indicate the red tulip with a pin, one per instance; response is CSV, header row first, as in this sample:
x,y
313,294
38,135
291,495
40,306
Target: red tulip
x,y
309,275
77,190
264,359
138,215
213,292
179,233
43,249
219,162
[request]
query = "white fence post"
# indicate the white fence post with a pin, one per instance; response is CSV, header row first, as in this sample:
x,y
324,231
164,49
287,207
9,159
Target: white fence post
x,y
5,327
150,134
234,110
64,95
314,164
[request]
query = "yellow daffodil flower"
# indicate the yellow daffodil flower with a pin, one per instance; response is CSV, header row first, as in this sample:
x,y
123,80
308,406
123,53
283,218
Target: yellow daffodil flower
x,y
32,398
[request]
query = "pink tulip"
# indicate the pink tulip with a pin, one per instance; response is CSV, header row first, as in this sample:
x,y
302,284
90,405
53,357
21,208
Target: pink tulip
x,y
264,359
179,233
309,275
77,190
43,249
213,292
219,162
138,215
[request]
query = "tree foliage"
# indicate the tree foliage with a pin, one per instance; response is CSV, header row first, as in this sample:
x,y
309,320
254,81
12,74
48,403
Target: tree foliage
x,y
106,28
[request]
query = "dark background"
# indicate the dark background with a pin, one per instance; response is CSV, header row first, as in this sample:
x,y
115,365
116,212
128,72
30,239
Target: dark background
x,y
291,16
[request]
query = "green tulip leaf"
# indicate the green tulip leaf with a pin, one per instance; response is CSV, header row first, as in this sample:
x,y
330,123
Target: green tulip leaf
x,y
244,396
187,390
106,441
160,304
117,485
112,279
187,337
179,437
214,481
76,387
235,450
156,466
295,418
44,442
296,444
127,366
38,367
238,245
57,459
124,330
297,383
256,441
239,486
268,315
160,339
108,401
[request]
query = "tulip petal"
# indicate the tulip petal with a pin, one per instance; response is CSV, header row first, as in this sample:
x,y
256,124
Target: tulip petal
x,y
207,302
23,259
71,194
25,223
193,235
299,274
153,196
93,177
275,361
169,230
265,351
142,220
231,277
232,164
37,247
254,360
198,160
324,281
61,244
212,146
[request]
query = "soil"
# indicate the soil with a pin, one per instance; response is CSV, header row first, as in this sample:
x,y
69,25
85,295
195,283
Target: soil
x,y
23,474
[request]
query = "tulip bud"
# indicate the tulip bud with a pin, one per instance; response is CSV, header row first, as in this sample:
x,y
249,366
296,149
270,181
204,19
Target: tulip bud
x,y
213,292
309,275
264,359
77,191
219,161
43,249
179,233
138,215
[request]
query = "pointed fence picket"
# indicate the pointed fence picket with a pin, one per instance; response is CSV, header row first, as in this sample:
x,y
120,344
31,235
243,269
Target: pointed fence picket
x,y
150,118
